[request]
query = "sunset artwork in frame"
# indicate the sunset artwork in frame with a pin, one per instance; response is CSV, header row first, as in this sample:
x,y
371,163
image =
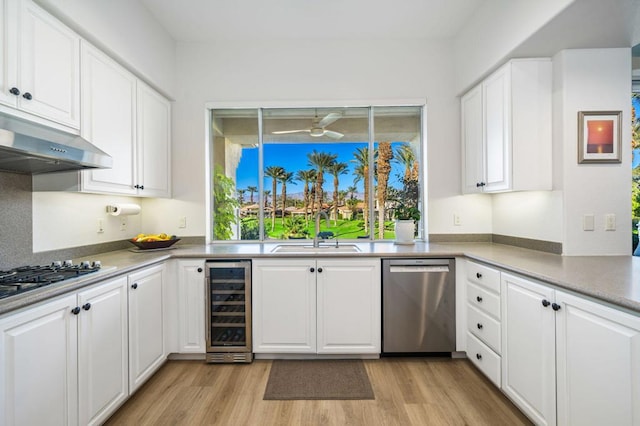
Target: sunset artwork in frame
x,y
599,137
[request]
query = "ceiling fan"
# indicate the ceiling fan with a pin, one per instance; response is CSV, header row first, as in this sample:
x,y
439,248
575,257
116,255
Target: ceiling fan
x,y
318,127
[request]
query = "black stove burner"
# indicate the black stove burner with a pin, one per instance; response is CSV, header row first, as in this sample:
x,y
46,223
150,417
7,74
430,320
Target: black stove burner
x,y
25,278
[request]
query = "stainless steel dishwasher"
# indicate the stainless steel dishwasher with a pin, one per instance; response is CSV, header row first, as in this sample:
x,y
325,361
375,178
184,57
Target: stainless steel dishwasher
x,y
418,306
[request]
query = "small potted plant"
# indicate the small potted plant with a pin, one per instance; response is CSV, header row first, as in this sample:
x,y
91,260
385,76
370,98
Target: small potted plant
x,y
405,226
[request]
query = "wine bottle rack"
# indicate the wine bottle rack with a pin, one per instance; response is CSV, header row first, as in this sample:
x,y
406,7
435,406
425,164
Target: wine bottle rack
x,y
228,310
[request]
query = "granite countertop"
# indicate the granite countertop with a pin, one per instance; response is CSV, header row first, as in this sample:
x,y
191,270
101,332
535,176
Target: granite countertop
x,y
613,279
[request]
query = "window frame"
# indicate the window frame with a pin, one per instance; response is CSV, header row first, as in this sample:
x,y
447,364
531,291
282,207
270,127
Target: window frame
x,y
261,106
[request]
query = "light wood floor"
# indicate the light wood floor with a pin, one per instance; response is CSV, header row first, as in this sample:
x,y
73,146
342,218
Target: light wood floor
x,y
408,391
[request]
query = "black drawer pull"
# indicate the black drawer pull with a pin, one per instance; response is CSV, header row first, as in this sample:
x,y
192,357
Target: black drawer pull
x,y
76,310
478,275
478,356
555,306
479,299
86,306
312,269
479,326
545,303
134,286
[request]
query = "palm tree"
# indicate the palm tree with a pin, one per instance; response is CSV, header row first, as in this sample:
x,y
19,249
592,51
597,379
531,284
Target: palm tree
x,y
274,173
362,174
306,176
266,193
252,190
321,160
241,193
336,169
385,155
284,178
407,158
352,191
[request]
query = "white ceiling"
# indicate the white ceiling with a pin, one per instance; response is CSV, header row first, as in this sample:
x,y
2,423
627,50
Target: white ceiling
x,y
209,20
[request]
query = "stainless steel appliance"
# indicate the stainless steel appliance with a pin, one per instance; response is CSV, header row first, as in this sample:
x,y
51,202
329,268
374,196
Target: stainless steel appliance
x,y
228,311
27,278
418,299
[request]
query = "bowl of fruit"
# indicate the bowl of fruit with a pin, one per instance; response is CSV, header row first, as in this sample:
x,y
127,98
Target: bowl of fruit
x,y
153,241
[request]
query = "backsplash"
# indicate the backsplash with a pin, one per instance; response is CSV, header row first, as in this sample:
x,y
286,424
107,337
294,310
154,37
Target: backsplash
x,y
16,239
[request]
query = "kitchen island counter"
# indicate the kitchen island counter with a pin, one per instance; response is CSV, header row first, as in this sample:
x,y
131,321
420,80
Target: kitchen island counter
x,y
612,279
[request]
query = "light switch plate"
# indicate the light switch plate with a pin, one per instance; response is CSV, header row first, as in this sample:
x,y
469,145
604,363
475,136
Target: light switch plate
x,y
610,222
588,222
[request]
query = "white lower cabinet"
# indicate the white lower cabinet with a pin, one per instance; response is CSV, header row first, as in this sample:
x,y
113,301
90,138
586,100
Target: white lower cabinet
x,y
327,306
528,351
191,306
568,360
65,362
39,365
598,359
146,324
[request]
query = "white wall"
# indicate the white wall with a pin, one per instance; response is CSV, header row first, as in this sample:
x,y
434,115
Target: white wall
x,y
311,70
125,30
593,80
497,28
536,215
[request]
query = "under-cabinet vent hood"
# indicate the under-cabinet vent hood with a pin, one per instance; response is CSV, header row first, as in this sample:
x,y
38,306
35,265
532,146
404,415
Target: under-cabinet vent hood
x,y
31,148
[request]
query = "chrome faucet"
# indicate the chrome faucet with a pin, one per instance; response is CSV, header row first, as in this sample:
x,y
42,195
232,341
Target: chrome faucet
x,y
316,241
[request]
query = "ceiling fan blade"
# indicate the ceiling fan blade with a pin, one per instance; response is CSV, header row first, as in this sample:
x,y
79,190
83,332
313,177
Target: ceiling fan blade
x,y
285,132
330,118
332,134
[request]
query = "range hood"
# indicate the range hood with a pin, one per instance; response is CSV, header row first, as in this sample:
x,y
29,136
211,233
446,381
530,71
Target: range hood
x,y
31,148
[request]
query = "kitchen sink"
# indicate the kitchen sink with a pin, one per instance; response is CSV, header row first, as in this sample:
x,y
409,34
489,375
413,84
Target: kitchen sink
x,y
296,248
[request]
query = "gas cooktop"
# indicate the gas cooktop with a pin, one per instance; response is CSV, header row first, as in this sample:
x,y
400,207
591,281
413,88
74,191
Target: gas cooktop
x,y
25,278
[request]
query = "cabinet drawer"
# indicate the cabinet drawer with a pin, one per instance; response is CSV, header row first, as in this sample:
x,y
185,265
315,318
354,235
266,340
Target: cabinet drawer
x,y
484,276
484,358
483,300
484,328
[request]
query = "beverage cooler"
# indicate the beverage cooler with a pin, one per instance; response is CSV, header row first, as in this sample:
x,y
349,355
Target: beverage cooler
x,y
228,311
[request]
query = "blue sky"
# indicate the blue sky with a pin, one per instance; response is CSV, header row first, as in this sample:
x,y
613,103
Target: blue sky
x,y
293,157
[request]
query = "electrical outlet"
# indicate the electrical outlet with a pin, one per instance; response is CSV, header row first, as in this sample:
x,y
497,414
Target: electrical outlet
x,y
588,222
100,229
456,219
123,223
182,222
610,222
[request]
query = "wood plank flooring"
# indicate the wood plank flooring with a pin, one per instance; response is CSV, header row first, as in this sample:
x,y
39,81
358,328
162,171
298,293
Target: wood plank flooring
x,y
409,391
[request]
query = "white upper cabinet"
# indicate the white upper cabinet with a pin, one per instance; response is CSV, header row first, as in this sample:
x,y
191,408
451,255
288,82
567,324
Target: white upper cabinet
x,y
40,70
506,129
154,143
108,121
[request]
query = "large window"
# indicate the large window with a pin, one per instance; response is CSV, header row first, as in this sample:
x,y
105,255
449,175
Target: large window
x,y
275,169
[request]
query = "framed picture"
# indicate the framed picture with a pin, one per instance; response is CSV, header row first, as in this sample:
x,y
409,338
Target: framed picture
x,y
599,137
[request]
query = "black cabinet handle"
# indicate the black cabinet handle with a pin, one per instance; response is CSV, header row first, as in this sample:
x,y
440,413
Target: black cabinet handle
x,y
479,326
76,310
478,356
555,306
134,286
199,269
141,186
478,275
27,96
480,184
479,299
312,269
319,270
86,306
14,91
545,303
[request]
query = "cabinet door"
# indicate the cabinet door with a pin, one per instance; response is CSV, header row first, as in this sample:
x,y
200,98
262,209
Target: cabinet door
x,y
102,351
108,121
349,306
191,306
38,365
49,66
472,143
154,143
8,58
528,348
284,306
497,131
598,356
146,326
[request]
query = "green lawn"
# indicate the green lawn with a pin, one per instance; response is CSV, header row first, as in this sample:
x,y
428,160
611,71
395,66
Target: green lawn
x,y
344,229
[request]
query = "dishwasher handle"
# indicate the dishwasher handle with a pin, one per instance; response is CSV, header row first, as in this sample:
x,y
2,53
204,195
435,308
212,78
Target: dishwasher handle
x,y
418,268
